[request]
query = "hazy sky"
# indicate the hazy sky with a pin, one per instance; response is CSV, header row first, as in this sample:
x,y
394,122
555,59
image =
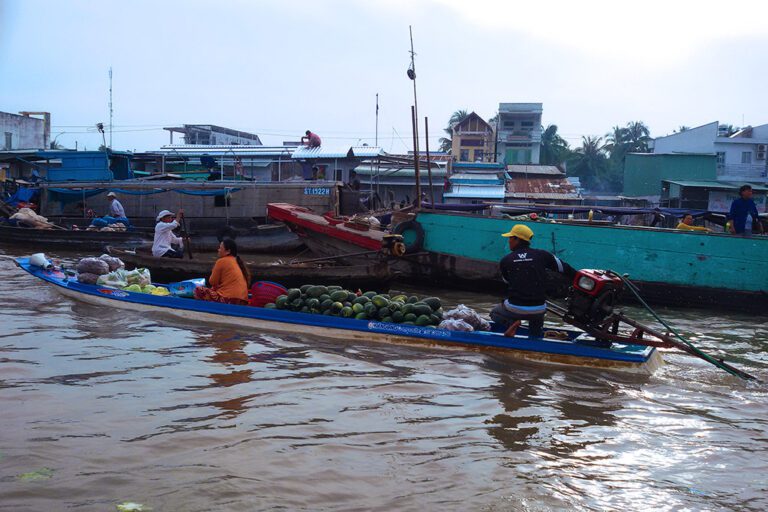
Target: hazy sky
x,y
277,68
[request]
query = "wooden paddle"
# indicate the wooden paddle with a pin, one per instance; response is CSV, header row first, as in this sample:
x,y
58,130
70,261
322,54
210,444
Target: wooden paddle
x,y
185,236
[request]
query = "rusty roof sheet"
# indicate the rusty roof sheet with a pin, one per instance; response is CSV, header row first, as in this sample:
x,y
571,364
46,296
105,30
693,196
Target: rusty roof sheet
x,y
534,169
542,188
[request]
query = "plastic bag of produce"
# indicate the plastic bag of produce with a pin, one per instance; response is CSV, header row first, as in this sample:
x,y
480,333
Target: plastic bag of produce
x,y
454,324
468,315
87,278
114,279
114,263
139,276
92,266
186,288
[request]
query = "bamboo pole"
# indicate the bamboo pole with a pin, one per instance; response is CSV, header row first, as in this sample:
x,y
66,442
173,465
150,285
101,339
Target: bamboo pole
x,y
415,122
429,164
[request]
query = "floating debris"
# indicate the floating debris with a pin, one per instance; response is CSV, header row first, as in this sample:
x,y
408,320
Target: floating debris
x,y
130,506
40,474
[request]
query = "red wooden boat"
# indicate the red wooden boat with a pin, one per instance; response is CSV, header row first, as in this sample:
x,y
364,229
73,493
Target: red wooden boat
x,y
325,235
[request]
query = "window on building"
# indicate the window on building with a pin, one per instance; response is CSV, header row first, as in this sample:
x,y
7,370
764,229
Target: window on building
x,y
479,155
473,143
508,124
746,157
721,158
464,155
526,124
8,140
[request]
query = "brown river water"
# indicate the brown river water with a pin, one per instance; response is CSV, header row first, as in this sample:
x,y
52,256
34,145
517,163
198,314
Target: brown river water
x,y
100,407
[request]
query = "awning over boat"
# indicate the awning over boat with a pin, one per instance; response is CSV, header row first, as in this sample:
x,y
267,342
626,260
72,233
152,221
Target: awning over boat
x,y
607,210
476,192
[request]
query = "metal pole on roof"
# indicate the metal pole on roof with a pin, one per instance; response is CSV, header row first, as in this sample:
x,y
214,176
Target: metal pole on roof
x,y
417,173
429,165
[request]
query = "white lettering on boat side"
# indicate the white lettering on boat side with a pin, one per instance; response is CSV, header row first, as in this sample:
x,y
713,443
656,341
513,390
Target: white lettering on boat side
x,y
408,330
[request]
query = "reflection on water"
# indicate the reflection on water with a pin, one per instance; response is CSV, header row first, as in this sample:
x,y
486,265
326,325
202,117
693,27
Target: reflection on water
x,y
103,406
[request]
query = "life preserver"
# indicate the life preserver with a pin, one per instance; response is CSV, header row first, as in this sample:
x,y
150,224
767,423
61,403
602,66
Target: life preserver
x,y
411,225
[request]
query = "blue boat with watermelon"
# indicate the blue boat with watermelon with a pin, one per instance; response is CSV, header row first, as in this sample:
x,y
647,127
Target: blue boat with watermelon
x,y
600,339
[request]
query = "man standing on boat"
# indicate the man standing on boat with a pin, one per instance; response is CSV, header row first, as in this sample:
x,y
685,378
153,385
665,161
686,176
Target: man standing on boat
x,y
743,214
312,139
524,271
115,207
165,240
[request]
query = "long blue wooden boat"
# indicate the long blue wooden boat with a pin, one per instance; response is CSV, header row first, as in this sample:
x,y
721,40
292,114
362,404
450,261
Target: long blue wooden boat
x,y
577,349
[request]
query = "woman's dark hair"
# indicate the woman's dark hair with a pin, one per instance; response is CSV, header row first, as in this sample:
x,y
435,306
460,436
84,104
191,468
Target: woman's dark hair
x,y
231,246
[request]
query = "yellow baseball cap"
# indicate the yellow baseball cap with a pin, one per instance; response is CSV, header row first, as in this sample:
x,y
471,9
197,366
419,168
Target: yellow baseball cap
x,y
520,231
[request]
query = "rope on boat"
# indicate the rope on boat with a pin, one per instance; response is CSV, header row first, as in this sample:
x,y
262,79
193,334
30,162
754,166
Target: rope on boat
x,y
691,348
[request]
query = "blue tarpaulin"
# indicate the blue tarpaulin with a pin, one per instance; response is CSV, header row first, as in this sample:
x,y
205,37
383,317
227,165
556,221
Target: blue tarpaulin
x,y
22,195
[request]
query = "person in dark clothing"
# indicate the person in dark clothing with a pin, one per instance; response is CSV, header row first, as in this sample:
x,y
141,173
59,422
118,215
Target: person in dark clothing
x,y
524,271
743,214
354,181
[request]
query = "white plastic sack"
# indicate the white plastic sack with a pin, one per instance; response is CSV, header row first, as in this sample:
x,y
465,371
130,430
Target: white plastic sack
x,y
114,279
86,278
28,217
92,266
140,276
114,263
468,315
453,324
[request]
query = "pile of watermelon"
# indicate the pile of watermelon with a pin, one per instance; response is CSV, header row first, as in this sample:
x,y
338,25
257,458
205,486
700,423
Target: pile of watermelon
x,y
335,301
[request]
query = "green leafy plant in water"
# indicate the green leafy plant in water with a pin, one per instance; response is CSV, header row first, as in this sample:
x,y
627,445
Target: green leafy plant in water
x,y
40,474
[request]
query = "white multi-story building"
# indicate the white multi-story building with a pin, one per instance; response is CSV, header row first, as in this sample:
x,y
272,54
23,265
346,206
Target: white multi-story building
x,y
740,156
518,136
24,131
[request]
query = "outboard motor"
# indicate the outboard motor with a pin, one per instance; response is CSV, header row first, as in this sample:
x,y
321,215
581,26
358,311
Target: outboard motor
x,y
593,295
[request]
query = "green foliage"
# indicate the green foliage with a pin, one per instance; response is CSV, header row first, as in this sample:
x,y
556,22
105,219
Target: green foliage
x,y
599,162
554,149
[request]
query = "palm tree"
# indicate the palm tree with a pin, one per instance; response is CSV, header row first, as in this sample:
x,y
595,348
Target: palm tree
x,y
638,136
457,117
615,140
554,149
590,163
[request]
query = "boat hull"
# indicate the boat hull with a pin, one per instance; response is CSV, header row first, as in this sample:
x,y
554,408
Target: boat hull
x,y
670,267
373,276
60,238
567,352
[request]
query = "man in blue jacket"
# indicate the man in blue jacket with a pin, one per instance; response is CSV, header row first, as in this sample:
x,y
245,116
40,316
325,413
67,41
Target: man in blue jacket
x,y
743,214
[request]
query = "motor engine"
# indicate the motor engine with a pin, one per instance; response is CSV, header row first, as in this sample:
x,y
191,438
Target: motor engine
x,y
593,295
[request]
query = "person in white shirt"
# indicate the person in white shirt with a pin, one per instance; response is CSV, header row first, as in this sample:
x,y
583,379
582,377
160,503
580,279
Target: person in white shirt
x,y
165,240
115,207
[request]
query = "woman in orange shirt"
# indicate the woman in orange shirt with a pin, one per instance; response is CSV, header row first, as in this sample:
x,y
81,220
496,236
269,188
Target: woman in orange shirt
x,y
229,279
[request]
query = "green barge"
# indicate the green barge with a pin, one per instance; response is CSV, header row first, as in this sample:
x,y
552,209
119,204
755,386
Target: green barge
x,y
671,267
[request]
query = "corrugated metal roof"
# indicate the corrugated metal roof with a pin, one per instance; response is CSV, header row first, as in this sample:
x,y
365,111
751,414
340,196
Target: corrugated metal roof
x,y
535,169
476,179
481,166
476,192
542,188
402,172
239,150
541,195
303,152
716,184
367,151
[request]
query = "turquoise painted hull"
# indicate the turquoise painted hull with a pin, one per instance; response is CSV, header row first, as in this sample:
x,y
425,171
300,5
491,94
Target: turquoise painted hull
x,y
712,266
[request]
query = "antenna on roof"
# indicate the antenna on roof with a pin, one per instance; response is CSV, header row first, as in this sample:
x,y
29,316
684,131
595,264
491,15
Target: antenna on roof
x,y
110,107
